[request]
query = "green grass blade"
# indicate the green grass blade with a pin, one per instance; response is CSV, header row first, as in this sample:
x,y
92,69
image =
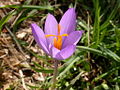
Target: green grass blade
x,y
27,14
5,19
42,70
96,29
104,52
28,7
111,16
73,60
105,74
117,35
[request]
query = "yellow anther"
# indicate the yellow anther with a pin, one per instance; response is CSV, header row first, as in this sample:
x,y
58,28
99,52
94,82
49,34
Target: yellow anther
x,y
64,35
49,36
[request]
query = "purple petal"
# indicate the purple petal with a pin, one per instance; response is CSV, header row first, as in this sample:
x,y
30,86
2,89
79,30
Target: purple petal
x,y
54,51
72,38
66,52
50,49
51,26
39,37
68,21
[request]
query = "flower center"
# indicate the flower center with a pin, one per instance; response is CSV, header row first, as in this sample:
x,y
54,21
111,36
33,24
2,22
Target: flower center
x,y
57,42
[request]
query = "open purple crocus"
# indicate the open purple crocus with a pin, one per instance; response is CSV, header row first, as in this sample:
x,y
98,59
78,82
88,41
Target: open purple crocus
x,y
59,40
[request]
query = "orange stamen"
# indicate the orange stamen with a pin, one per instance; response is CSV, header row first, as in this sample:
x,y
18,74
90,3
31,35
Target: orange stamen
x,y
58,38
59,28
55,42
59,42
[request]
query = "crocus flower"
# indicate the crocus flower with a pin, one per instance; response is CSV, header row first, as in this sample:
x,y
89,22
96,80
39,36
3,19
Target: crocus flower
x,y
58,39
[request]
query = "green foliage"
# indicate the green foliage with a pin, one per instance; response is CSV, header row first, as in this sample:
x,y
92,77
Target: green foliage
x,y
5,19
41,69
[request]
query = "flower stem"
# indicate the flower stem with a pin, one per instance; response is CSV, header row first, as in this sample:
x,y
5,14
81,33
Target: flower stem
x,y
55,75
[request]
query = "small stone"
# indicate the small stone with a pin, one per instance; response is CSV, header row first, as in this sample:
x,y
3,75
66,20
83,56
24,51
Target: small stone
x,y
21,35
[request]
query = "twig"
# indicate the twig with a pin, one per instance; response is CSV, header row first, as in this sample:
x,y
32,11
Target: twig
x,y
16,18
22,78
88,21
31,42
14,38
